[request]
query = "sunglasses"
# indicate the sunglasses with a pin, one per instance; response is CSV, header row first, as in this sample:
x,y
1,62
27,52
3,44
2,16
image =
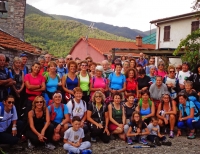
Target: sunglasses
x,y
97,96
37,102
84,65
89,61
171,71
11,102
69,58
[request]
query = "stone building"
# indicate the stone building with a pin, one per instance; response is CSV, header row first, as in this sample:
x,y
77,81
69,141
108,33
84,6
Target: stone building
x,y
13,22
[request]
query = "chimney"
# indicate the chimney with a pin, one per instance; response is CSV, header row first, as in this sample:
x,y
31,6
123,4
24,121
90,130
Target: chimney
x,y
139,41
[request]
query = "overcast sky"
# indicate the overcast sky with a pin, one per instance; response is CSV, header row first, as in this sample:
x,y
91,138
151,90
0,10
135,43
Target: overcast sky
x,y
135,14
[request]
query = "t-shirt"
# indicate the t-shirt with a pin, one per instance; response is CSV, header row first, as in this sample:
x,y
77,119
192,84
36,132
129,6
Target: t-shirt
x,y
152,132
74,136
95,116
7,119
79,109
61,71
33,81
156,92
59,113
98,83
143,82
116,82
142,62
182,76
129,110
153,78
52,84
4,75
160,73
25,70
135,126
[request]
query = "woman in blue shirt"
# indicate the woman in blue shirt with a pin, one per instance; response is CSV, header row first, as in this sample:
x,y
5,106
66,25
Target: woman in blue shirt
x,y
188,116
116,80
52,81
58,115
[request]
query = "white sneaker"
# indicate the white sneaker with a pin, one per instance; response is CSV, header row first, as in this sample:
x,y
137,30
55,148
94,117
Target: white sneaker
x,y
50,146
30,145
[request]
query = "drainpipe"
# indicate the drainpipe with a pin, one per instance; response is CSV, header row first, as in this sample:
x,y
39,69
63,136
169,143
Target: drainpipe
x,y
158,36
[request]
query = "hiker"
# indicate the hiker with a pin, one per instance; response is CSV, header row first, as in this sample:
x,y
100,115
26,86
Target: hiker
x,y
78,107
129,108
73,138
40,130
10,127
188,116
98,118
70,81
59,116
166,113
35,85
146,107
138,129
98,83
52,81
117,117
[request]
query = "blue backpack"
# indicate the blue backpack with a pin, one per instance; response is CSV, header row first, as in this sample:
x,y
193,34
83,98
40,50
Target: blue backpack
x,y
2,111
196,103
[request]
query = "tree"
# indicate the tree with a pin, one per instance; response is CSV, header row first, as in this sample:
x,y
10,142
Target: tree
x,y
191,46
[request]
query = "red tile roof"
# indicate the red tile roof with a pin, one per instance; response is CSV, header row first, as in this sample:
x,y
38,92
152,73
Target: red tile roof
x,y
8,41
105,46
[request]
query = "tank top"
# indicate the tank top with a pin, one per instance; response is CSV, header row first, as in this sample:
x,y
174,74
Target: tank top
x,y
84,82
145,112
71,84
39,122
117,114
52,84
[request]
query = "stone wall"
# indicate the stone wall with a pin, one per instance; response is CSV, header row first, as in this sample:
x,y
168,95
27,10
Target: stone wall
x,y
14,22
12,54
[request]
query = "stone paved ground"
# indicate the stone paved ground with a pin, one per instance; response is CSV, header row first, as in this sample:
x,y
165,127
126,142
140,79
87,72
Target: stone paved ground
x,y
180,145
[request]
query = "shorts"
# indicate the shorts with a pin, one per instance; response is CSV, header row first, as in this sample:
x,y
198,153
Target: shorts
x,y
112,127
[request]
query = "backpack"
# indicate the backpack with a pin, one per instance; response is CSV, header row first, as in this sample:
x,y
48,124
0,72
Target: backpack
x,y
2,111
73,103
53,113
196,103
140,102
46,75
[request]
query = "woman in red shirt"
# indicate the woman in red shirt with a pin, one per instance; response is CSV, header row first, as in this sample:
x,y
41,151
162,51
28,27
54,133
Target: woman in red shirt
x,y
131,83
35,84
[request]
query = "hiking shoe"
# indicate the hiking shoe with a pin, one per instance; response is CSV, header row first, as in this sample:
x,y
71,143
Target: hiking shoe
x,y
171,134
112,137
143,141
86,151
191,136
49,146
156,141
167,143
129,141
30,145
93,139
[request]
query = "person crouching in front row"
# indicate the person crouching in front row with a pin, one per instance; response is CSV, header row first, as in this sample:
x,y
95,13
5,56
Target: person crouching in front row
x,y
138,130
73,138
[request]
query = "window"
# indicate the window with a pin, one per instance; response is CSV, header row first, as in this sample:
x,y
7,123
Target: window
x,y
167,33
195,25
5,14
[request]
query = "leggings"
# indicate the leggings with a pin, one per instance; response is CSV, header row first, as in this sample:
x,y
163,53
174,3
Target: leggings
x,y
188,123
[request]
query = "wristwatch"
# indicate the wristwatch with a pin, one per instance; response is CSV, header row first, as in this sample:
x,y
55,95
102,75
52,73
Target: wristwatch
x,y
61,124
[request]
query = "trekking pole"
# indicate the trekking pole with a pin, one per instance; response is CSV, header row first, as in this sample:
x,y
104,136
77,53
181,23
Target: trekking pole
x,y
1,150
144,146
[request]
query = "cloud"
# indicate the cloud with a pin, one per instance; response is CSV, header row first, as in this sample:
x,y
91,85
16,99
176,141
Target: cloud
x,y
134,14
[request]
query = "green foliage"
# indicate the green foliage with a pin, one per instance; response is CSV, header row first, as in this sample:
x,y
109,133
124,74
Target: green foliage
x,y
58,36
191,47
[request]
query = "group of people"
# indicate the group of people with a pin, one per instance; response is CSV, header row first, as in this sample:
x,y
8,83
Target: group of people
x,y
68,99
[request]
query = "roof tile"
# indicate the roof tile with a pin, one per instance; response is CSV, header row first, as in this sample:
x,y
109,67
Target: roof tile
x,y
10,42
